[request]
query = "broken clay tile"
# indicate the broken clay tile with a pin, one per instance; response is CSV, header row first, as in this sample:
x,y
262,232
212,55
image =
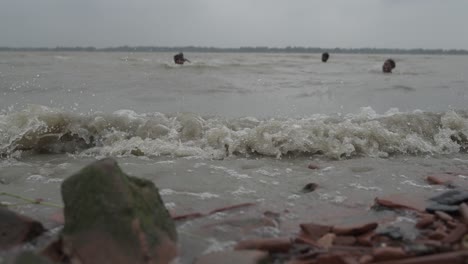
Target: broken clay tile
x,y
270,245
354,230
231,207
233,257
345,240
429,242
351,250
457,257
366,259
306,240
464,213
301,261
439,179
188,216
452,224
327,240
380,239
437,235
425,220
388,253
444,216
456,234
58,217
313,166
332,259
440,226
314,231
401,201
366,239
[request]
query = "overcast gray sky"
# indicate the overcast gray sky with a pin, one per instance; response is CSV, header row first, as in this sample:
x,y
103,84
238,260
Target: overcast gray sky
x,y
235,23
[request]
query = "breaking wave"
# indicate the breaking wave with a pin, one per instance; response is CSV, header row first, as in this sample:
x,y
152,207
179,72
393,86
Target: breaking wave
x,y
40,129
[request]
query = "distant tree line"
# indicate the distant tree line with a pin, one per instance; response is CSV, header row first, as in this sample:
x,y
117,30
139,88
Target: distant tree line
x,y
259,49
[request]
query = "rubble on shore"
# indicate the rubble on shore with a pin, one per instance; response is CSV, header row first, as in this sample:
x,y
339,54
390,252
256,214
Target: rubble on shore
x,y
110,217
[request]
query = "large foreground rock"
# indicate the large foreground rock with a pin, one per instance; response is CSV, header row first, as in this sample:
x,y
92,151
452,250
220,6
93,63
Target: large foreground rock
x,y
111,217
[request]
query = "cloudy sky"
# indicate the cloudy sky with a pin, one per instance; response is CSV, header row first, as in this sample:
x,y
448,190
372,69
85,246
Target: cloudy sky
x,y
235,23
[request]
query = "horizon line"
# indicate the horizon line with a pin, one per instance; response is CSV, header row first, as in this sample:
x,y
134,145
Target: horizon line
x,y
290,49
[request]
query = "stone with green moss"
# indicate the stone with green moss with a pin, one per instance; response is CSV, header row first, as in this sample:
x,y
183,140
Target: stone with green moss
x,y
108,213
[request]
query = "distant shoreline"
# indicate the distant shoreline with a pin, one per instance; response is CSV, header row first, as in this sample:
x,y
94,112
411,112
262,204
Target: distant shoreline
x,y
245,50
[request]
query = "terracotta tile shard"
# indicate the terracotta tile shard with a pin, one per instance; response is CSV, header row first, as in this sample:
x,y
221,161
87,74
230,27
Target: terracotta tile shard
x,y
299,261
444,216
354,230
425,220
187,216
353,250
388,253
314,231
232,207
456,234
437,235
190,216
439,179
334,259
313,166
401,201
345,240
464,213
233,257
429,242
452,224
366,239
327,240
58,217
270,245
305,240
366,259
457,257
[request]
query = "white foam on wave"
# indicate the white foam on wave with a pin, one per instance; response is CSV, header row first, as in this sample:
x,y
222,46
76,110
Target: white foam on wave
x,y
231,173
267,173
42,179
126,132
242,190
202,196
358,186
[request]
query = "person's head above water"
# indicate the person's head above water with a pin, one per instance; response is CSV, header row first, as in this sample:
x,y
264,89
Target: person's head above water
x,y
179,58
388,66
325,57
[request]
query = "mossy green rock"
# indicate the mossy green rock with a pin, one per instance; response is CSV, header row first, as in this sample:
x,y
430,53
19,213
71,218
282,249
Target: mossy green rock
x,y
108,213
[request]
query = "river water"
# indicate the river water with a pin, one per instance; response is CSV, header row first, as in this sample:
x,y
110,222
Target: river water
x,y
235,128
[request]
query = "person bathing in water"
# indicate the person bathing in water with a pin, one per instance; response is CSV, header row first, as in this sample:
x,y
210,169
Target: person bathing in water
x,y
325,57
388,66
179,59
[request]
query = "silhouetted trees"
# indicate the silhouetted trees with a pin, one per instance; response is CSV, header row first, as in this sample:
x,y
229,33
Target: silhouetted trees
x,y
258,49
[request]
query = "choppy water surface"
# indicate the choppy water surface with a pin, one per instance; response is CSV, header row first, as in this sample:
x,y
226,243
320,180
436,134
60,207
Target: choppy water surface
x,y
235,128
